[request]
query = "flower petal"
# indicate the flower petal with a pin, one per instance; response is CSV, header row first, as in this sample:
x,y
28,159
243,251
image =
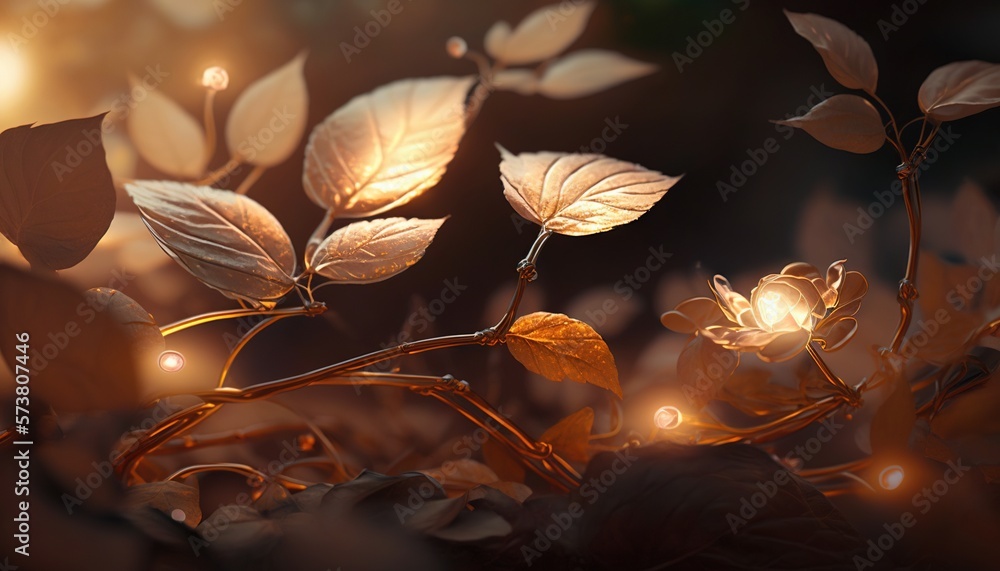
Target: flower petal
x,y
732,303
692,314
835,274
834,334
740,338
784,346
853,287
801,269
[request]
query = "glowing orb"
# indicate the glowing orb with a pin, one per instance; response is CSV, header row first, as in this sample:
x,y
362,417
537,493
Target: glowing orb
x,y
668,417
215,78
171,361
891,477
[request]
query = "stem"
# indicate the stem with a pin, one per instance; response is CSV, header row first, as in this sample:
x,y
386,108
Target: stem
x,y
895,129
216,175
246,339
237,313
318,235
288,483
251,178
908,285
209,125
831,377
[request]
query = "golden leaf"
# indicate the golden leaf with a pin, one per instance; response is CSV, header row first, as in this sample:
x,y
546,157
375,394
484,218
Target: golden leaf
x,y
570,437
228,241
579,194
543,34
274,109
559,347
847,56
387,147
585,72
166,136
374,250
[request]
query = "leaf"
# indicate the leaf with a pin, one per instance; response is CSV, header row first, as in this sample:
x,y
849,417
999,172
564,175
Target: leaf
x,y
166,136
373,250
269,118
585,72
167,496
522,81
845,122
474,526
70,345
960,89
137,324
544,33
579,194
570,437
387,147
559,347
847,56
894,420
226,240
703,367
56,201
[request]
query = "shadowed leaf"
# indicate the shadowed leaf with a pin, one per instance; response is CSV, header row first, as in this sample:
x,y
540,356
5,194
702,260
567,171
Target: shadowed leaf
x,y
847,56
55,213
845,122
960,89
167,496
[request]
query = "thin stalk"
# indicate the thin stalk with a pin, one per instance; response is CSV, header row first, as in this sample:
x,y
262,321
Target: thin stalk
x,y
291,484
829,375
209,115
196,320
318,235
220,173
908,285
250,335
250,180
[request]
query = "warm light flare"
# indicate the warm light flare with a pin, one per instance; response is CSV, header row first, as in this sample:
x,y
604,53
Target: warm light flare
x,y
215,78
12,73
891,477
772,307
667,417
171,361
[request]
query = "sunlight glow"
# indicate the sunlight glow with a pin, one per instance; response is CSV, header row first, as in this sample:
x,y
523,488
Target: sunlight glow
x,y
12,74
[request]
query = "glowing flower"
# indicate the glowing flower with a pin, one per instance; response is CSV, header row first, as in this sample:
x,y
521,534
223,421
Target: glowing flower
x,y
784,313
215,78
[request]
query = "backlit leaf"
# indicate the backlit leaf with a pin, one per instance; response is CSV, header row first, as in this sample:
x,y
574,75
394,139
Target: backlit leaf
x,y
559,347
228,241
70,345
579,194
167,497
166,135
544,33
847,56
588,71
960,89
267,121
845,122
387,147
373,250
570,437
56,194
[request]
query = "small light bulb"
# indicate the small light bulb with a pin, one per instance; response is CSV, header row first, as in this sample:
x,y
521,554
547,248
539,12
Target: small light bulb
x,y
215,78
456,47
178,515
171,361
668,417
891,477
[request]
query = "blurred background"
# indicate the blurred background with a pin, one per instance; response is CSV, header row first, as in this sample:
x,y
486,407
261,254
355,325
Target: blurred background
x,y
700,114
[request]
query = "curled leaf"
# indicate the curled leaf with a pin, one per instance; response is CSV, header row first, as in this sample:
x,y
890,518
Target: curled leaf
x,y
228,241
960,89
374,250
56,194
845,122
544,33
387,147
559,347
267,121
585,72
579,194
847,56
166,136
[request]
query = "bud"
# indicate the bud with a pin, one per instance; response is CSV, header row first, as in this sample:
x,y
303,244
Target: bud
x,y
215,78
456,47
